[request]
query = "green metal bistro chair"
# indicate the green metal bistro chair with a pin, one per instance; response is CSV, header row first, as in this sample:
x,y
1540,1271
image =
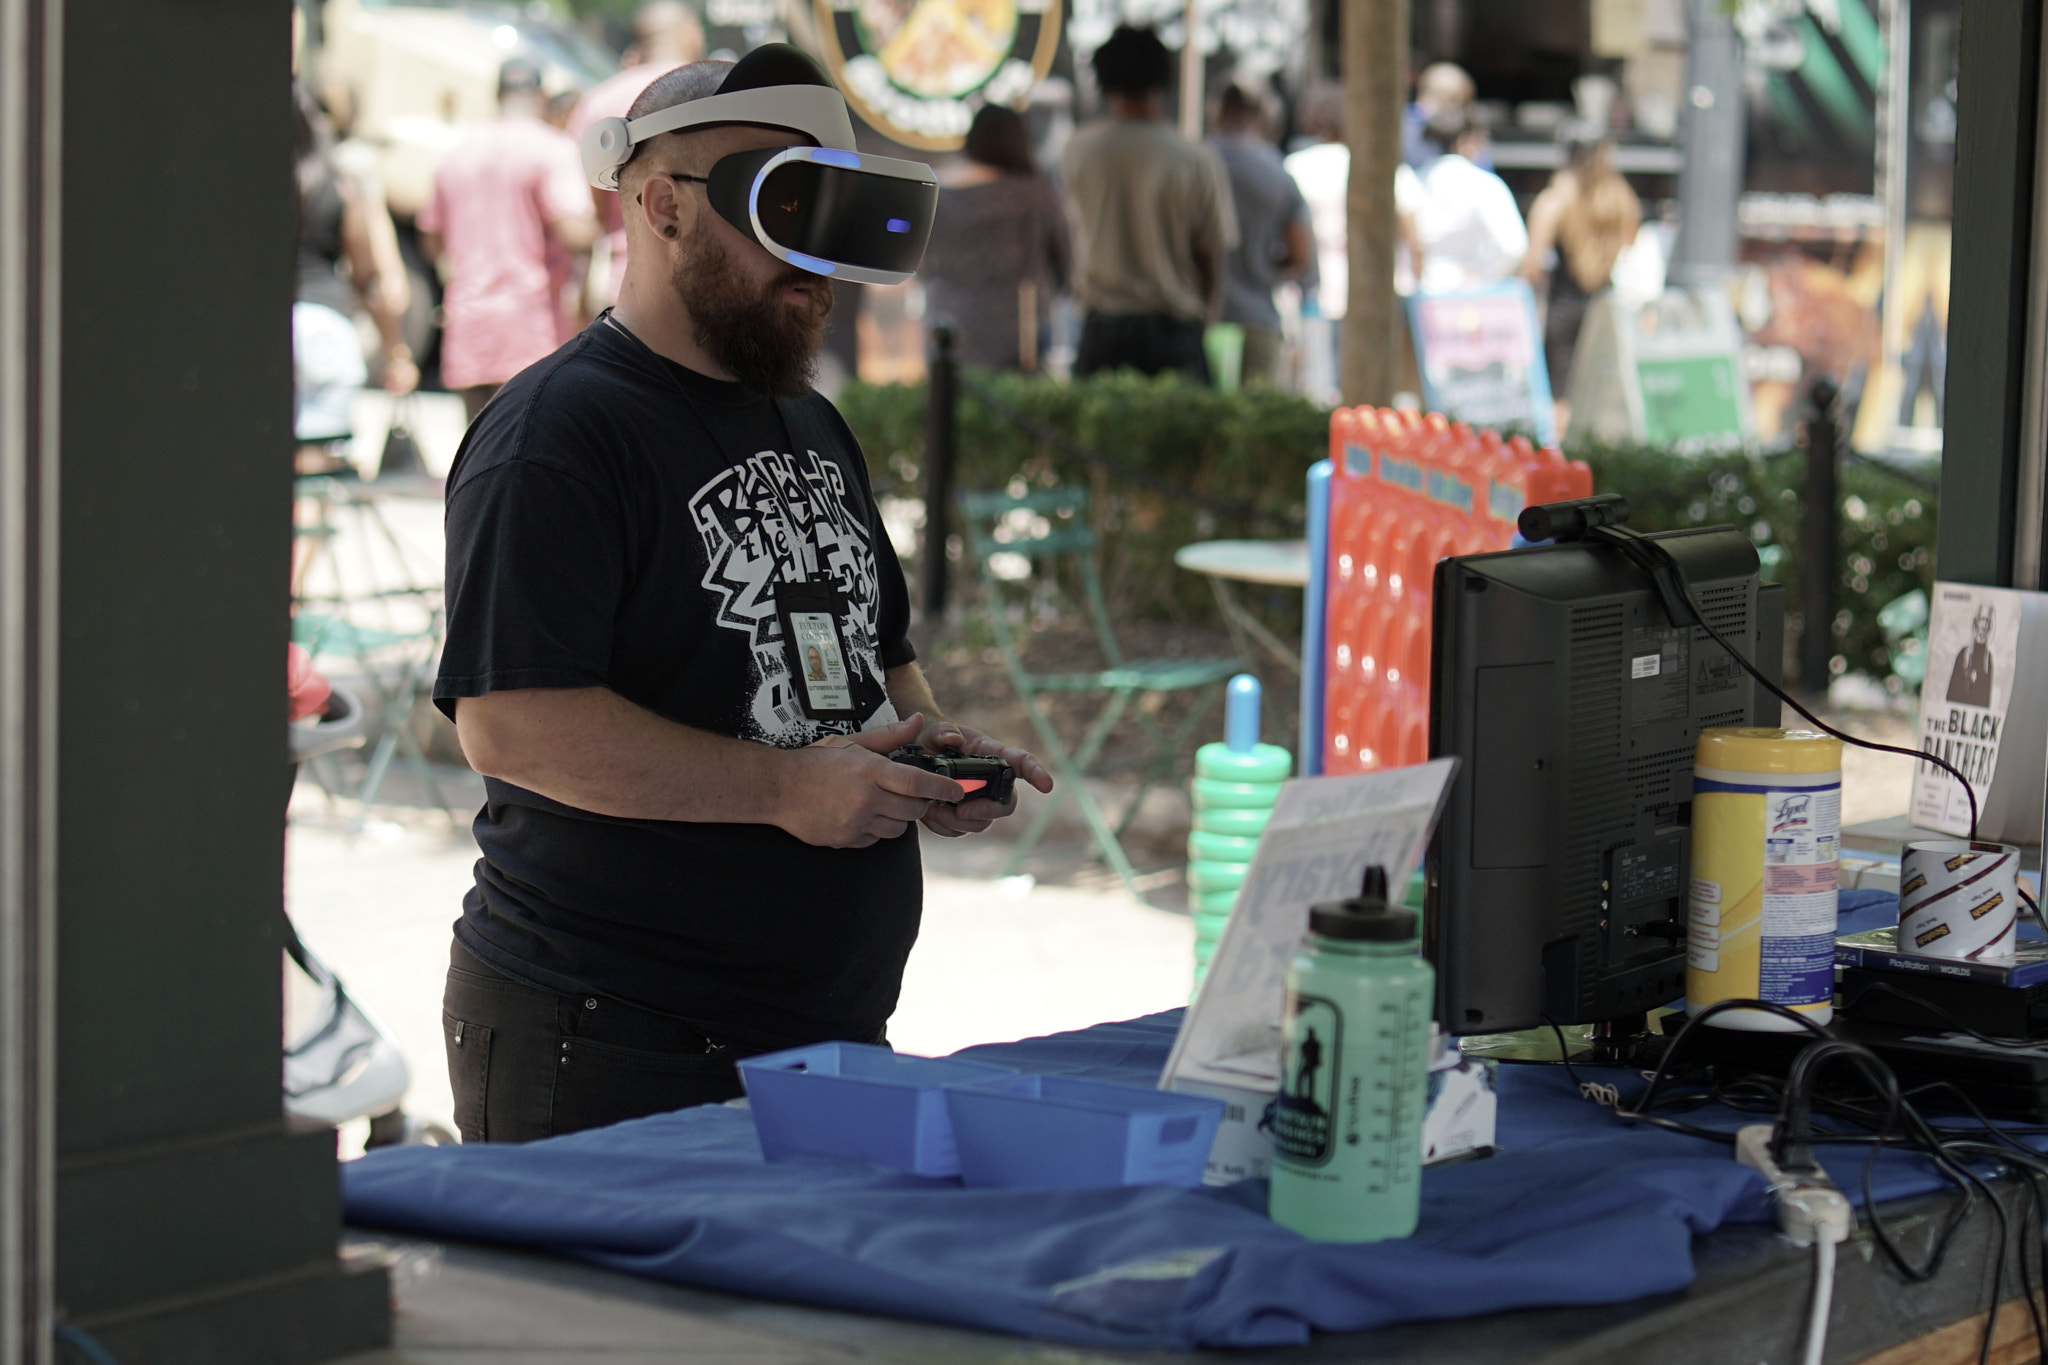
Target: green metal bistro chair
x,y
1027,548
357,594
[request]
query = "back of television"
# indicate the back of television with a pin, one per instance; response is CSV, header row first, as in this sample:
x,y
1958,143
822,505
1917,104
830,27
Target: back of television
x,y
1558,880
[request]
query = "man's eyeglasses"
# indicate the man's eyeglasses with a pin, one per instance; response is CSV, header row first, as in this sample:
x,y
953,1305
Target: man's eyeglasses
x,y
678,175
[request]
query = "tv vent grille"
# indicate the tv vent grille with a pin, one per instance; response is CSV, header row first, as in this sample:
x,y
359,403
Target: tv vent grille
x,y
1652,776
1737,717
1600,794
1726,606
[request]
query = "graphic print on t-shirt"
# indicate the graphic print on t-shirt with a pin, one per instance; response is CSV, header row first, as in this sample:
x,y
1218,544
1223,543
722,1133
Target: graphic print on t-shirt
x,y
777,518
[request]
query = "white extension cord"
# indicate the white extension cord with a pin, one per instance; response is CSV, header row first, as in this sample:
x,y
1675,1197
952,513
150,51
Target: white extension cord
x,y
1811,1212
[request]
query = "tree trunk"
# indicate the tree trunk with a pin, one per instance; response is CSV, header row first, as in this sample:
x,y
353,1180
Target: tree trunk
x,y
1375,44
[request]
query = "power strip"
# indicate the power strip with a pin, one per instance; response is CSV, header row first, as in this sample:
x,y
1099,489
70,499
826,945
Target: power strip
x,y
1811,1212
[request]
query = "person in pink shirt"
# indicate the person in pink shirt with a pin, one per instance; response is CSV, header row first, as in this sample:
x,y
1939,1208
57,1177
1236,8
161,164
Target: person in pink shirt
x,y
666,35
501,196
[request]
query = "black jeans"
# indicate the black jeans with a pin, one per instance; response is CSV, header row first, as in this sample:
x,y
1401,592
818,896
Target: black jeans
x,y
1145,342
528,1063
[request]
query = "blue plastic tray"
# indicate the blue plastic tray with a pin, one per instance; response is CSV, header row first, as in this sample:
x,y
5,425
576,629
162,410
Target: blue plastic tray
x,y
1045,1132
852,1100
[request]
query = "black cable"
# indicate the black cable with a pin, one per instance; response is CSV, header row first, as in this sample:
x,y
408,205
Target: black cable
x,y
2034,906
2032,1286
1641,1109
1590,1090
1653,558
1793,1136
1919,1136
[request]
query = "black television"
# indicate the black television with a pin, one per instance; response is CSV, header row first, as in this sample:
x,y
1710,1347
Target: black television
x,y
1558,877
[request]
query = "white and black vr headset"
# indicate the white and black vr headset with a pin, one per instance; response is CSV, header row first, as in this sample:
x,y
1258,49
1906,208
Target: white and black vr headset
x,y
827,209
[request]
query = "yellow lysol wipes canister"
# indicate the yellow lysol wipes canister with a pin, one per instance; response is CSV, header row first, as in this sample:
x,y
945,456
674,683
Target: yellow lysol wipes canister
x,y
1766,847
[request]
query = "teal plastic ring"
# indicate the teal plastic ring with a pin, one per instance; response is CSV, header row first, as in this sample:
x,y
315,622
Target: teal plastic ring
x,y
1216,794
1207,877
1265,763
1220,848
1241,824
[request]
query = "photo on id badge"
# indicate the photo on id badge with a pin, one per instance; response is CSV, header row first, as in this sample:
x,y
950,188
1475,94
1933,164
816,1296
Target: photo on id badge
x,y
811,633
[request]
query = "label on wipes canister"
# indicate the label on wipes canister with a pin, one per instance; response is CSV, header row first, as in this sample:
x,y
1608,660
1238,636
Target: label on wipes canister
x,y
1765,856
1802,833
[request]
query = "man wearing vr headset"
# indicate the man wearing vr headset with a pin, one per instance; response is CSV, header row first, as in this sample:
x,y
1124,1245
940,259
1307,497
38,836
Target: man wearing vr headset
x,y
677,638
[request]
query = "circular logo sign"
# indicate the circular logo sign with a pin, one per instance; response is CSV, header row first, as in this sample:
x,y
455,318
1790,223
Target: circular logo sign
x,y
918,69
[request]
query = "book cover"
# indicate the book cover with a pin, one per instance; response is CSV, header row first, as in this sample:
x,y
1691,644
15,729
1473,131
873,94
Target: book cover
x,y
1980,710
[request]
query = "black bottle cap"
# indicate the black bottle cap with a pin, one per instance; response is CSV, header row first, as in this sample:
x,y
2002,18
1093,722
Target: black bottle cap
x,y
1366,917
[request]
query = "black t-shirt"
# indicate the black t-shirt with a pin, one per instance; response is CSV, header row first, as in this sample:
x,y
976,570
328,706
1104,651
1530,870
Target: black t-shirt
x,y
617,520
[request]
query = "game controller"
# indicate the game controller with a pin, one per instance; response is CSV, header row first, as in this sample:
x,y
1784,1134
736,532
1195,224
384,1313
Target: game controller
x,y
983,777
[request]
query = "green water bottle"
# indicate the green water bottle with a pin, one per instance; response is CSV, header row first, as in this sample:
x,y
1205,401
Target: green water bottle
x,y
1347,1125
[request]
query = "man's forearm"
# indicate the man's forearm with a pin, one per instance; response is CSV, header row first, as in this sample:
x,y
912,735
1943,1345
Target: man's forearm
x,y
910,694
590,748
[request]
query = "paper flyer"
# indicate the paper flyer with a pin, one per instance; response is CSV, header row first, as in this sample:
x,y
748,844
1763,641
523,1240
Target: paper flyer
x,y
1973,649
1324,833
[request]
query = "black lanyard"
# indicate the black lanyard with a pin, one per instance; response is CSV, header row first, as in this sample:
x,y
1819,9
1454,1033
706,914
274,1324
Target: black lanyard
x,y
813,616
663,365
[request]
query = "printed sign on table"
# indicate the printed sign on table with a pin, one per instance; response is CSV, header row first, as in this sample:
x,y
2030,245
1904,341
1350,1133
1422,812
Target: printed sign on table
x,y
1481,358
1324,833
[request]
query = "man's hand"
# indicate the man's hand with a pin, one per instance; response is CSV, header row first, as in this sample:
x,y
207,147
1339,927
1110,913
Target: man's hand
x,y
972,817
843,792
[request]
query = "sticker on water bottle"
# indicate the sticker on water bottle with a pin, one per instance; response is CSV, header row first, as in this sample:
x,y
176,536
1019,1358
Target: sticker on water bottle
x,y
1303,1118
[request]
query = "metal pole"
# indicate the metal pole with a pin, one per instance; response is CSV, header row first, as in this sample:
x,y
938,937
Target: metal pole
x,y
941,437
31,404
1191,91
1710,180
1820,540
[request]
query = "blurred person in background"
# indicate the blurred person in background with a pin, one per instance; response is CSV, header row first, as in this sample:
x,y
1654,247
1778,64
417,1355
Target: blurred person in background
x,y
1578,227
999,251
340,220
1275,241
501,195
1152,221
1442,88
666,34
1323,172
1472,233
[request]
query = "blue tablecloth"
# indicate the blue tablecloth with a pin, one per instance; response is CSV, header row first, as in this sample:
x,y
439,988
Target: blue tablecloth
x,y
1577,1208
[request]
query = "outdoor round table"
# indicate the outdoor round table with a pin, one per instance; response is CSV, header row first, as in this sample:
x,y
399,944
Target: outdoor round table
x,y
1271,563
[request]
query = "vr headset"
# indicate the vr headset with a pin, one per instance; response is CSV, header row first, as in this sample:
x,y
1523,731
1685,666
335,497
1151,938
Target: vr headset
x,y
828,209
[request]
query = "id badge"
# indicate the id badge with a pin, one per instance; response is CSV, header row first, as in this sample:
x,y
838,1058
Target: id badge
x,y
814,641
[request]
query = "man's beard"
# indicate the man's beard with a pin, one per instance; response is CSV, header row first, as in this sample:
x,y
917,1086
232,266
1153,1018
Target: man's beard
x,y
767,344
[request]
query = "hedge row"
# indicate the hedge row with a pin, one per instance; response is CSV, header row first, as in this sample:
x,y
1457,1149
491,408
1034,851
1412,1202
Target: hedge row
x,y
1242,459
